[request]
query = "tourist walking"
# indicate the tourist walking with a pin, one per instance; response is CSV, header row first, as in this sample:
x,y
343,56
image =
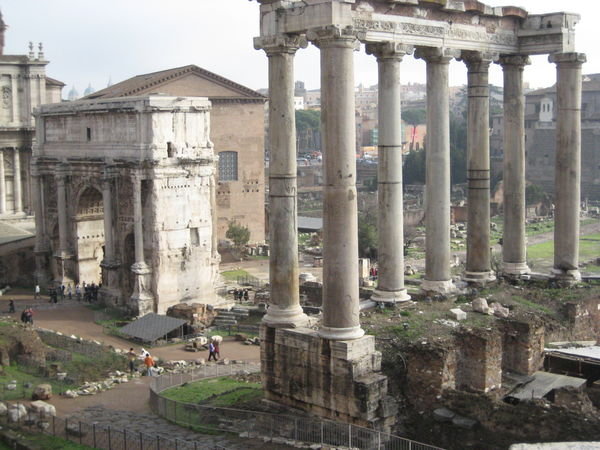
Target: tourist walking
x,y
217,351
211,351
78,293
36,294
11,306
69,292
131,356
149,363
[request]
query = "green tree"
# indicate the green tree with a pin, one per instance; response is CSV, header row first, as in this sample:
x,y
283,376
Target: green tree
x,y
413,170
414,117
308,128
534,194
367,238
239,234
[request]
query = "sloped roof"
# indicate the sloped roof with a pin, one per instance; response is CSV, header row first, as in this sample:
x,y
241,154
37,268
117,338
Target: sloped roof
x,y
54,82
141,83
310,223
151,327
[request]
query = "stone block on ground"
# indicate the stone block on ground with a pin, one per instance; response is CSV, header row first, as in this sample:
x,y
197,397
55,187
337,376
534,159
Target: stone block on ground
x,y
42,392
500,311
458,314
464,422
3,409
74,429
16,412
43,409
443,415
480,305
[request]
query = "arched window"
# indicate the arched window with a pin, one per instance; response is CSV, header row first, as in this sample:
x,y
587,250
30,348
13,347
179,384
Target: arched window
x,y
228,166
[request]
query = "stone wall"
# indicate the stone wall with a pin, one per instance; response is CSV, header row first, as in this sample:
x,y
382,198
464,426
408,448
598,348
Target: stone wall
x,y
430,368
338,380
72,344
479,360
522,346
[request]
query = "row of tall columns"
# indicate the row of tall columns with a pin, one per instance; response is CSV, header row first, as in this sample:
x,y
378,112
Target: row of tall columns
x,y
63,252
390,218
17,184
340,287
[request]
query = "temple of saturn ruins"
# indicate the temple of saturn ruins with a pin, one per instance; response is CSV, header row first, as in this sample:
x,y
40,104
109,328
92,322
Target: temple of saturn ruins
x,y
335,371
124,195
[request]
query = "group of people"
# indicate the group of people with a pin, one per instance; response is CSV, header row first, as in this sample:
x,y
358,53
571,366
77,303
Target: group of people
x,y
214,352
241,294
27,315
149,362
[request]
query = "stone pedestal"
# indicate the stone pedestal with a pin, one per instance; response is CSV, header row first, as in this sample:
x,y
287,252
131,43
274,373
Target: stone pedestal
x,y
142,300
338,380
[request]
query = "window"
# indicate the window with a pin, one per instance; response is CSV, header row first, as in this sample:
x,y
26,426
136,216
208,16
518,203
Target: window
x,y
89,134
228,166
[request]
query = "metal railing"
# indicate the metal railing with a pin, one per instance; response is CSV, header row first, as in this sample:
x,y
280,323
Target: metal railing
x,y
255,424
101,436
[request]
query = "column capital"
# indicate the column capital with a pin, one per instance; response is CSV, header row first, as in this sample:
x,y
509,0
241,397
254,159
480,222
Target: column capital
x,y
389,50
61,173
334,36
436,55
514,61
281,43
567,58
476,61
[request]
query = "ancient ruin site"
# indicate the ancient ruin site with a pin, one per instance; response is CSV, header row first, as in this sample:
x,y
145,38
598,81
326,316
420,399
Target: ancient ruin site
x,y
393,242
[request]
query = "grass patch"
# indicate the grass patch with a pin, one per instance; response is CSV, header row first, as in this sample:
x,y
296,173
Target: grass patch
x,y
589,248
48,442
232,275
222,391
531,305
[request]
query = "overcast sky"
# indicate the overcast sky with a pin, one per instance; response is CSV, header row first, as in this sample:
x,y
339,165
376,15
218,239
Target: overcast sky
x,y
93,41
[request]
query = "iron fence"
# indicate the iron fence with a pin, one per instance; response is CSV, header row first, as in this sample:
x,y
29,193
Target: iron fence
x,y
255,424
101,436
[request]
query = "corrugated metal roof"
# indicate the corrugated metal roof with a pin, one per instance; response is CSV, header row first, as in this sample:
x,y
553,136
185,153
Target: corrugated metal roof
x,y
151,327
310,223
542,383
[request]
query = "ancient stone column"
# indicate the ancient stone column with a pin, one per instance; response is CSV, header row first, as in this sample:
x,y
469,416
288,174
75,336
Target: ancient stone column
x,y
284,306
437,195
514,251
107,200
567,186
390,252
63,223
61,194
478,169
138,229
142,300
17,195
41,244
2,184
340,217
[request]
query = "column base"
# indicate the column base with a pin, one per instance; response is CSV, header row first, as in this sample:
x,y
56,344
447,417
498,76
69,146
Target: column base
x,y
512,270
566,276
141,304
141,268
341,334
479,277
400,296
443,287
277,317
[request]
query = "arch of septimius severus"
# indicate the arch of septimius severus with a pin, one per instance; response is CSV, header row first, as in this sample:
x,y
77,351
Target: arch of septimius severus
x,y
333,371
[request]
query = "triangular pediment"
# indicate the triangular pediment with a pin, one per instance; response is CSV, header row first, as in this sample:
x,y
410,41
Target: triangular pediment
x,y
189,80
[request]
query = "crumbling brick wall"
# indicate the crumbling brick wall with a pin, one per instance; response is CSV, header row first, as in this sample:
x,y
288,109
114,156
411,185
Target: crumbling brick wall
x,y
479,361
522,346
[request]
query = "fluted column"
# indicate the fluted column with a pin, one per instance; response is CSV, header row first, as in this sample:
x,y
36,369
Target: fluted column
x,y
437,172
479,266
514,251
142,299
390,287
63,223
17,186
41,243
138,229
284,306
340,216
567,186
2,184
107,200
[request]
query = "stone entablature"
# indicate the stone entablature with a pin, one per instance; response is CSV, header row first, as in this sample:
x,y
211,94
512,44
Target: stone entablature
x,y
135,208
451,24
